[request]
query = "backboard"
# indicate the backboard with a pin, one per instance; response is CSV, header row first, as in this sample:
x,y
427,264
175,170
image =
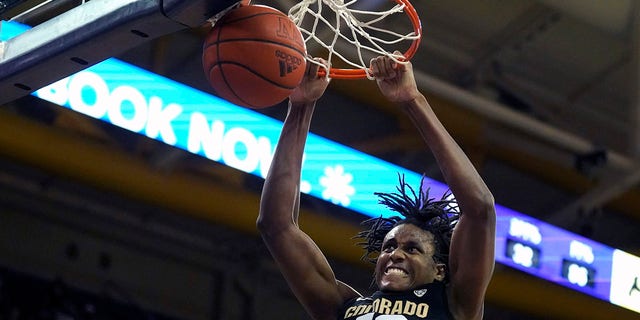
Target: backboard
x,y
90,33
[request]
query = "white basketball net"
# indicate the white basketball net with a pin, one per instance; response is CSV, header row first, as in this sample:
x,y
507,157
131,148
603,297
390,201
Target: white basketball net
x,y
351,26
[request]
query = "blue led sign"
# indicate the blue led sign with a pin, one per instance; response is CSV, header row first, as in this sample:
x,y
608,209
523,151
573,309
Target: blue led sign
x,y
162,109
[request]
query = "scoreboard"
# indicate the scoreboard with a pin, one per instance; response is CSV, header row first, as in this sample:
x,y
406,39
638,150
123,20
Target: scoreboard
x,y
173,113
568,259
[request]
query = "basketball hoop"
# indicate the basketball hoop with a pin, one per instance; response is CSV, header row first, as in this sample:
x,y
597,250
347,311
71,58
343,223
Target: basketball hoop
x,y
361,30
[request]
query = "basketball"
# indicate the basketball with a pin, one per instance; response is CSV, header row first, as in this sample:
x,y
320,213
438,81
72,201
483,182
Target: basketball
x,y
254,56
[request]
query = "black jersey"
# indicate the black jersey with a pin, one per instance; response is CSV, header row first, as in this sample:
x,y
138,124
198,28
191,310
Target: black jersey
x,y
427,302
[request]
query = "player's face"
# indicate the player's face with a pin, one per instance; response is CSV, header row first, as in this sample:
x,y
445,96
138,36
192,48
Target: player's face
x,y
406,259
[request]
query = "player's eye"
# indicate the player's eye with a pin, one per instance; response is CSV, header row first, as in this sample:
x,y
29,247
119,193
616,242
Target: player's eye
x,y
413,250
388,247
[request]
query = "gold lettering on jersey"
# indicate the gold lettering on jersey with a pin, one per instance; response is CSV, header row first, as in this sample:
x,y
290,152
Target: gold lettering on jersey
x,y
397,307
409,308
386,306
358,310
423,310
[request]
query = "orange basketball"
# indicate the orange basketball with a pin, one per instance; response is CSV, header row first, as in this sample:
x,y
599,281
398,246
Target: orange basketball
x,y
254,56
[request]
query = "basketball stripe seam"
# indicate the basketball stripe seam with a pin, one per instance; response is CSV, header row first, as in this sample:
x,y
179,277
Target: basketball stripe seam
x,y
219,63
252,71
253,15
222,73
254,40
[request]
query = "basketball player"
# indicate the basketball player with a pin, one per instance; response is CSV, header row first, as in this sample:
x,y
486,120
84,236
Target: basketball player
x,y
422,270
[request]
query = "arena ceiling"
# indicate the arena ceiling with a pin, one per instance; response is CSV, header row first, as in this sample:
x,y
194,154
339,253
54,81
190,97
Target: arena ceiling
x,y
542,95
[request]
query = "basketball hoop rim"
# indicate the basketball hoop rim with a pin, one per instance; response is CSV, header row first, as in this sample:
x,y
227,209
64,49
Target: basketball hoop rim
x,y
409,10
337,73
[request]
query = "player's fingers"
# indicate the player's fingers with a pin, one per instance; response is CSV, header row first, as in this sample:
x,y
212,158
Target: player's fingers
x,y
380,68
398,62
314,65
399,55
324,64
312,68
388,67
375,67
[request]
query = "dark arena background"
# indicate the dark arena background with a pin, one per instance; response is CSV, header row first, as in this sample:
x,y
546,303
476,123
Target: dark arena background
x,y
119,201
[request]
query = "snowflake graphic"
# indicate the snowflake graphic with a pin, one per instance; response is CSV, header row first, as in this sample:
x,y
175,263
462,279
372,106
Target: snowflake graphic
x,y
305,186
336,183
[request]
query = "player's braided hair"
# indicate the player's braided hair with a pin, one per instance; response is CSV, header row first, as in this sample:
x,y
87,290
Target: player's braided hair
x,y
439,217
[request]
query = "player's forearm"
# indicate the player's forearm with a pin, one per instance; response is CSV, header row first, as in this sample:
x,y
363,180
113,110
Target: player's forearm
x,y
459,173
280,194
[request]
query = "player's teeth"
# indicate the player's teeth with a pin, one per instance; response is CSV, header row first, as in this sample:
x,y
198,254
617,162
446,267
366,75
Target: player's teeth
x,y
395,271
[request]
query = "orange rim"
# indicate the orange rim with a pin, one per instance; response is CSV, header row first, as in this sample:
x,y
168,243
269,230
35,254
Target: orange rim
x,y
337,73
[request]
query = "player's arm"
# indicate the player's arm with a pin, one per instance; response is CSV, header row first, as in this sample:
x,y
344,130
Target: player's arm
x,y
471,258
301,262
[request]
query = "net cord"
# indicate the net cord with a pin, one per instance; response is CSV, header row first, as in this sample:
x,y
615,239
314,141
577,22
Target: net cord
x,y
346,16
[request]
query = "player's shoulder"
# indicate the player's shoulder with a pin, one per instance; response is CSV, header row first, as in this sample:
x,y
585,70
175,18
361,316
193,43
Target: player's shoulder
x,y
347,292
